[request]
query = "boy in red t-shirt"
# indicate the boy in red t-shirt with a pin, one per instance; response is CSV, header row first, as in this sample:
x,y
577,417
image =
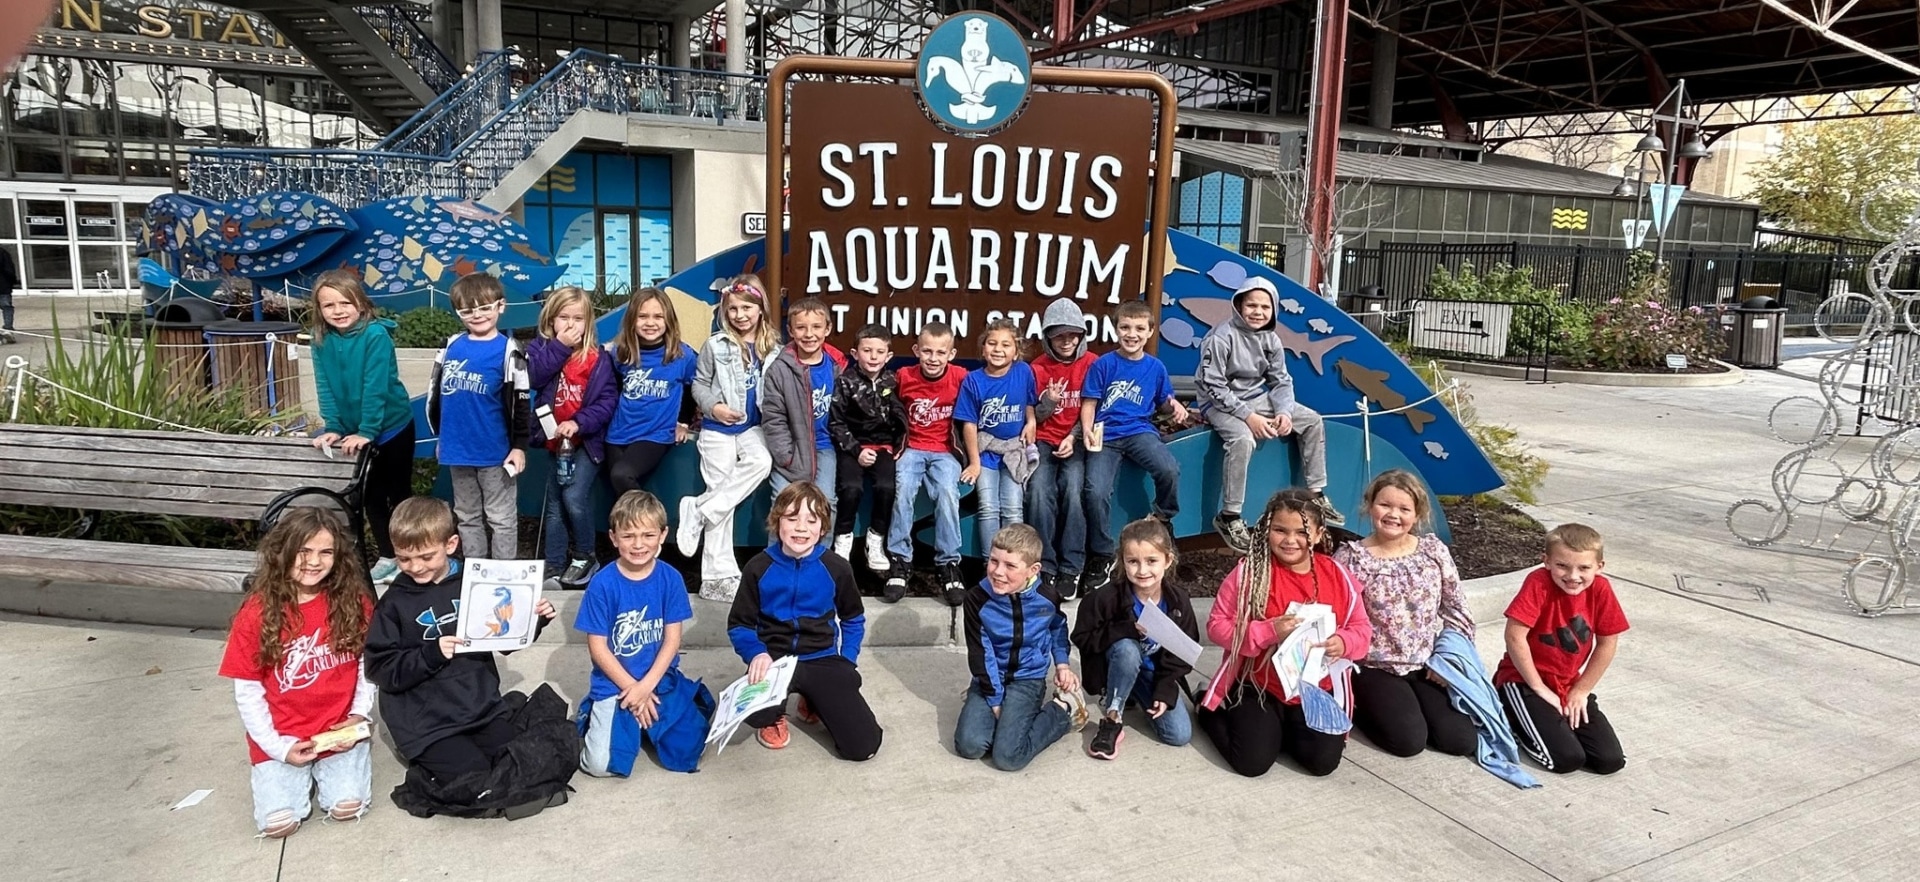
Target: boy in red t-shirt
x,y
1055,492
1562,631
929,390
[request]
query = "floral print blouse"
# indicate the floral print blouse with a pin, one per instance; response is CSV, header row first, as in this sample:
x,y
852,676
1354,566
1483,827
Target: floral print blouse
x,y
1409,599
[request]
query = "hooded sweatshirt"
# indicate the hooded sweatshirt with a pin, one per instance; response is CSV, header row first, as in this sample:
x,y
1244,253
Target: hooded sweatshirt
x,y
807,606
358,379
1059,417
1243,369
425,696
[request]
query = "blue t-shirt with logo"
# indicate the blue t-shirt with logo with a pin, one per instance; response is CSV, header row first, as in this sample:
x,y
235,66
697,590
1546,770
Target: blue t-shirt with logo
x,y
1129,392
633,615
821,377
651,393
997,405
473,427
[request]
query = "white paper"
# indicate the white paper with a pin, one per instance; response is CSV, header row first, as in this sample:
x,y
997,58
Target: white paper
x,y
191,800
1163,631
1300,657
497,598
743,699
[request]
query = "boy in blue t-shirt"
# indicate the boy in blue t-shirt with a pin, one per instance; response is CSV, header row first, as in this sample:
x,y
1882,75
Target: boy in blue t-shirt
x,y
795,394
477,405
632,615
995,413
1124,389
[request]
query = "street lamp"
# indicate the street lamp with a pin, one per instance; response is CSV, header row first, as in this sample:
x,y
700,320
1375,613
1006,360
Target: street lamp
x,y
1664,156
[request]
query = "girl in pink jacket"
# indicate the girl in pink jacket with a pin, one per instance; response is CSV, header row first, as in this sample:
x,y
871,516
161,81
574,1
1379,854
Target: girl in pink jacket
x,y
1245,710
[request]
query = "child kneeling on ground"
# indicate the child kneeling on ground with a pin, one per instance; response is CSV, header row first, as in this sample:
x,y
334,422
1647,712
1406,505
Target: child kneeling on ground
x,y
799,599
632,616
1121,661
1016,636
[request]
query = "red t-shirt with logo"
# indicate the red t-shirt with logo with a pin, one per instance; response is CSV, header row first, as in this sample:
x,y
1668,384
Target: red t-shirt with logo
x,y
312,690
1047,369
930,406
1561,629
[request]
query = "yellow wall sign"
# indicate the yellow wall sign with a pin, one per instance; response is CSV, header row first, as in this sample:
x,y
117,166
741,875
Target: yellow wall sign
x,y
1569,218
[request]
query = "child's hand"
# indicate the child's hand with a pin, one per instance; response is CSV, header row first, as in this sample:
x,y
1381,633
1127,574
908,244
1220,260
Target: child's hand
x,y
970,474
1028,431
516,461
567,429
1436,679
757,669
869,456
1282,626
451,644
1064,676
728,415
640,701
1066,446
545,610
1335,647
352,444
1575,708
1159,707
1056,390
326,440
1282,425
351,720
1180,416
301,754
1261,427
996,712
680,433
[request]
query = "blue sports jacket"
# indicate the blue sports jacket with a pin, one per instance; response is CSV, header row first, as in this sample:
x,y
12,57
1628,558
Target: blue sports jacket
x,y
1018,636
808,607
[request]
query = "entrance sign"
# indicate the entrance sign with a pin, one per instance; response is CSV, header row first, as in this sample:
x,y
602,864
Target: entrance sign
x,y
1474,328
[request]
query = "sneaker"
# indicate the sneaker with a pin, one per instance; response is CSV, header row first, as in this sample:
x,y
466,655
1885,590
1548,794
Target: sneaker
x,y
384,570
579,572
687,537
1099,572
1106,740
1234,530
6,336
805,714
1076,708
896,582
719,589
843,545
877,553
774,737
1067,585
953,589
1330,515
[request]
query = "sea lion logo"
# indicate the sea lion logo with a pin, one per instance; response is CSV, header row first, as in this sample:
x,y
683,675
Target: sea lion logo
x,y
974,74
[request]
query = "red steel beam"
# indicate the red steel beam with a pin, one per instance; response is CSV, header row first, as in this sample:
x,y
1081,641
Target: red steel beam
x,y
1222,9
1323,136
1062,21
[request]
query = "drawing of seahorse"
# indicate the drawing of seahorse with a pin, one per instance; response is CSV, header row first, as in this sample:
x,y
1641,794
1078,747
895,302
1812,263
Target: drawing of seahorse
x,y
502,613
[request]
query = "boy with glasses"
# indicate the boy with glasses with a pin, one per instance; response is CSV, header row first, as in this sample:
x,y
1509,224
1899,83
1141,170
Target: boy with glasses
x,y
477,405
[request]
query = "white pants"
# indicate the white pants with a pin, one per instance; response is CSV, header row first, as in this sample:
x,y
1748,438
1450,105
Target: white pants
x,y
733,467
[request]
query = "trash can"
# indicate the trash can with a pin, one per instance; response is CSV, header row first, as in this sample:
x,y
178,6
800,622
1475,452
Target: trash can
x,y
180,347
1369,307
1754,335
254,357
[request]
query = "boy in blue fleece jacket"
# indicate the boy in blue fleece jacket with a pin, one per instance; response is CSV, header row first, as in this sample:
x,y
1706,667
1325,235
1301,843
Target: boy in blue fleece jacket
x,y
1016,637
799,599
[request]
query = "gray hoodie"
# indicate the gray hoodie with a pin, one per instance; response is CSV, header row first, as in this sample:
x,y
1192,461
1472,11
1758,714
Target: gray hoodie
x,y
1243,369
1062,314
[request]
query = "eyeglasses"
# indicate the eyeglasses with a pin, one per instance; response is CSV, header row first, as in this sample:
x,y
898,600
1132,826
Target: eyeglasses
x,y
480,311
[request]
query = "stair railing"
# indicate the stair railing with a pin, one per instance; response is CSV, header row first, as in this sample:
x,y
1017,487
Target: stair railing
x,y
400,26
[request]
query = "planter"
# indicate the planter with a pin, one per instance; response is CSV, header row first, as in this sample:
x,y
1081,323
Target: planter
x,y
1732,376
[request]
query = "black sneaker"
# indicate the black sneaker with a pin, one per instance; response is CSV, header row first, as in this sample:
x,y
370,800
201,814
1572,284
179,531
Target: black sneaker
x,y
1106,739
896,582
1049,587
1068,586
953,588
579,573
1099,573
1234,531
1328,514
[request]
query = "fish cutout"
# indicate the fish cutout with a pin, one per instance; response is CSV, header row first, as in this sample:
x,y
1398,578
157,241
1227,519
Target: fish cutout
x,y
1177,332
1210,311
530,253
412,248
263,223
419,203
1319,326
464,266
1435,449
308,211
1228,275
1292,306
695,317
1314,351
1171,263
1373,384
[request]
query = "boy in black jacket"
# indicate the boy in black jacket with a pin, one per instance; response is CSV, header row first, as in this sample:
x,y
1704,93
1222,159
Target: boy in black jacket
x,y
443,710
868,422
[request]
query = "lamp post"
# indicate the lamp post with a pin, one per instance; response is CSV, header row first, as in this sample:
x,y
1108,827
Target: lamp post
x,y
1665,153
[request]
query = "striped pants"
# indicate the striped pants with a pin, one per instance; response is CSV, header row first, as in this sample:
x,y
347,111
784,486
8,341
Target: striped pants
x,y
1543,734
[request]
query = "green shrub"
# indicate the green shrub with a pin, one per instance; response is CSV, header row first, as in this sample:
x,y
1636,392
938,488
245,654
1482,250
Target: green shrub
x,y
425,328
1563,324
116,386
1636,334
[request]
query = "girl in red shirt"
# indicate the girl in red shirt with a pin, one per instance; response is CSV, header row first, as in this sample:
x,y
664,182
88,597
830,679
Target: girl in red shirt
x,y
1245,710
293,654
574,377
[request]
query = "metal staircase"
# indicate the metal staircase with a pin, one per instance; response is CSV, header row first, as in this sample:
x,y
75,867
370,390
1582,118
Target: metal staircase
x,y
376,53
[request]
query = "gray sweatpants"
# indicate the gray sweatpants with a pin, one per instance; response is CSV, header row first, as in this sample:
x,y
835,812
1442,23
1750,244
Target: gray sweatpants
x,y
486,501
1308,433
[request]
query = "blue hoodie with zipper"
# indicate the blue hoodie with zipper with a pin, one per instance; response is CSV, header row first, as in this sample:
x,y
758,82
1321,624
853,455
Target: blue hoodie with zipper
x,y
808,607
1018,636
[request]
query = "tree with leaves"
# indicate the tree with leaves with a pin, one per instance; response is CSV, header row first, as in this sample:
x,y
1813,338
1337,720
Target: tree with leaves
x,y
1825,172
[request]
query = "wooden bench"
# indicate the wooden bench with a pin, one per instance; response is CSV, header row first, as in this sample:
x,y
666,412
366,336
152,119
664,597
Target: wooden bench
x,y
168,473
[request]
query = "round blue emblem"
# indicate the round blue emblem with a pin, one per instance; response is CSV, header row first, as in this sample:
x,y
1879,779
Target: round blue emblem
x,y
974,73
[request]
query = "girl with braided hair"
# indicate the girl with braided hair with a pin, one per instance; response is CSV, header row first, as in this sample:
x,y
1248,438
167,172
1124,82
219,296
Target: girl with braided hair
x,y
1245,710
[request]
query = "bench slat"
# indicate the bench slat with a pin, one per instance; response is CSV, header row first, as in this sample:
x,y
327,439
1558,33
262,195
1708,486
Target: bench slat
x,y
130,485
119,563
109,435
186,507
323,473
182,444
184,475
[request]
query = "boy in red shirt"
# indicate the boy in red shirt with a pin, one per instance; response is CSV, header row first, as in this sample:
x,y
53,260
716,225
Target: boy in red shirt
x,y
929,390
1054,493
1563,629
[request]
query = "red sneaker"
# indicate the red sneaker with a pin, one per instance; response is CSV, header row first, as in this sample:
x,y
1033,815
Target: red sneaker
x,y
774,737
806,713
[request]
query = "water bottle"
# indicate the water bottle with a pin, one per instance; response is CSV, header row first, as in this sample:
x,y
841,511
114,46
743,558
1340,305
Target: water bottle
x,y
563,463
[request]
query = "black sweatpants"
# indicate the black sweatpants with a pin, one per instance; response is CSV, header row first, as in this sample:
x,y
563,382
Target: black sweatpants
x,y
473,751
1405,714
389,482
1251,728
630,465
831,687
850,479
1544,735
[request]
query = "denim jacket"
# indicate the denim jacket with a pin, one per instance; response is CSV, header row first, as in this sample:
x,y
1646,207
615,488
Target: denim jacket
x,y
720,375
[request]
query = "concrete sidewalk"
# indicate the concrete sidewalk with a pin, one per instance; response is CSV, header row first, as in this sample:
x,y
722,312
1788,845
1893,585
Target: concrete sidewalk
x,y
1767,740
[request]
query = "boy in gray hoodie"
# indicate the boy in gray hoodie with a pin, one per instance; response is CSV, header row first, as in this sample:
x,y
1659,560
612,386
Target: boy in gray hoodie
x,y
1248,397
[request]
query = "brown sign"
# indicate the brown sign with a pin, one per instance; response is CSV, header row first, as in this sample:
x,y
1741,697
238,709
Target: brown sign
x,y
899,223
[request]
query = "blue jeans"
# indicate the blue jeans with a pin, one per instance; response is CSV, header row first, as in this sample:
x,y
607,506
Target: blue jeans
x,y
826,470
941,474
1128,678
569,514
1145,450
1056,508
1001,500
1028,723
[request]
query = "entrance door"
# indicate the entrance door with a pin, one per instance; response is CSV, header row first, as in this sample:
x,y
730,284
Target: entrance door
x,y
616,252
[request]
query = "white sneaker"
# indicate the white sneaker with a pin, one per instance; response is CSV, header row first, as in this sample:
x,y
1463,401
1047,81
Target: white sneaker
x,y
719,589
687,537
843,545
877,553
384,570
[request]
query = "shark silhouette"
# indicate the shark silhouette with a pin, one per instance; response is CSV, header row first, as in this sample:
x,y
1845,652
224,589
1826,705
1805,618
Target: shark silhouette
x,y
1373,384
975,71
1314,351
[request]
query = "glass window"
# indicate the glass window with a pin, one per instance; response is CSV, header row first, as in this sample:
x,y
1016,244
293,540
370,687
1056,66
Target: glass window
x,y
95,159
97,220
45,219
38,157
103,266
7,229
148,160
49,266
32,98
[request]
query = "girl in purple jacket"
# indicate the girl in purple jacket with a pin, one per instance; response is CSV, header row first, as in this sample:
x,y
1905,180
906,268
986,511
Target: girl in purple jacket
x,y
573,377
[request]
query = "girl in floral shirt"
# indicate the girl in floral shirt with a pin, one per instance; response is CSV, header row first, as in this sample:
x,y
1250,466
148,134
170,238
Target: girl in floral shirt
x,y
1411,590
